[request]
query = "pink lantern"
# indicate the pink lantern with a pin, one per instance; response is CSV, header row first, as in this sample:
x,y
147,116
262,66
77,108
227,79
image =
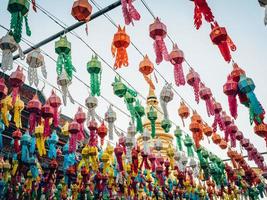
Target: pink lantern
x,y
193,80
158,31
47,114
218,117
55,103
34,107
74,129
177,58
206,95
16,80
80,117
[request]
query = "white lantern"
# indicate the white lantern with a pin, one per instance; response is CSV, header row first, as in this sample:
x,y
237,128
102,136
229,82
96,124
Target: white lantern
x,y
64,82
110,118
91,103
35,60
166,95
9,46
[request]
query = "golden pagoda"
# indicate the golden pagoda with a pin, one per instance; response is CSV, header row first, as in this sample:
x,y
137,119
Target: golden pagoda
x,y
166,138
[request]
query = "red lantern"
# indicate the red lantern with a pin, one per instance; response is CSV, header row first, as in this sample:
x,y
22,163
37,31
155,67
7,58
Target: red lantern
x,y
102,132
80,117
218,117
216,138
16,135
220,38
206,95
92,126
55,102
207,130
129,11
239,135
177,58
202,8
74,129
16,80
47,114
223,144
183,111
193,80
158,31
146,67
118,153
118,48
3,89
230,88
237,72
261,130
81,10
34,107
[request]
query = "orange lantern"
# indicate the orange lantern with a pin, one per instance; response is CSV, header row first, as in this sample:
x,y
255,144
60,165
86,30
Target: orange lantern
x,y
196,129
207,130
196,117
146,67
261,130
81,10
216,138
183,111
102,132
223,144
118,48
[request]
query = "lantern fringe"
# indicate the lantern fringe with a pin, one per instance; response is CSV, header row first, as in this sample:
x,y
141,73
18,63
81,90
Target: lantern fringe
x,y
24,153
32,145
153,128
196,89
17,114
40,144
16,25
205,9
65,59
32,122
47,127
232,105
149,82
160,50
110,130
15,91
52,152
55,117
218,121
33,76
224,49
164,109
28,31
7,60
209,107
95,84
179,75
121,57
72,143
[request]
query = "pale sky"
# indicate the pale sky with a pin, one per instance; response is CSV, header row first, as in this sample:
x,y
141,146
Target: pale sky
x,y
242,18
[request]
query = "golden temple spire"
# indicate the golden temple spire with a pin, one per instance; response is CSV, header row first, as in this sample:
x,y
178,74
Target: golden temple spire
x,y
151,98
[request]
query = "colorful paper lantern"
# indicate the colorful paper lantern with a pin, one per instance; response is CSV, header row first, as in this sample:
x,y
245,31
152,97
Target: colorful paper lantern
x,y
118,48
34,106
9,46
158,31
35,60
146,67
152,116
47,114
81,10
119,88
95,71
16,80
80,117
55,103
129,12
110,118
202,8
6,107
218,121
102,132
74,129
193,80
206,95
19,10
177,58
63,49
183,111
220,38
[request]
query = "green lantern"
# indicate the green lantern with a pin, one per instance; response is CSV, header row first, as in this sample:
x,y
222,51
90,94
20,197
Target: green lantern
x,y
178,135
95,70
129,100
18,10
203,163
188,142
139,113
166,125
152,116
63,49
119,88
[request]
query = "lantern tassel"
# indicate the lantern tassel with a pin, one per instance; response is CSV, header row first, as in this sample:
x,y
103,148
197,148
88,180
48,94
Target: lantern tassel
x,y
72,143
24,153
7,60
16,25
254,104
32,145
197,17
28,31
32,122
126,14
224,49
46,127
15,92
196,89
110,130
133,12
232,105
121,58
179,75
52,152
139,124
40,144
160,50
210,107
164,109
149,82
